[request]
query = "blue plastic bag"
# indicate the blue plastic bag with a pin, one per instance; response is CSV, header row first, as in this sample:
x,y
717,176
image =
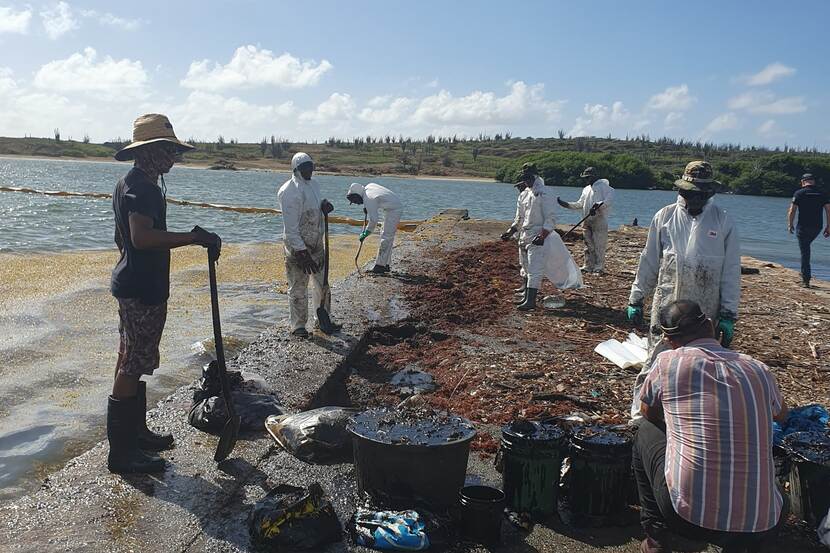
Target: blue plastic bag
x,y
388,530
808,418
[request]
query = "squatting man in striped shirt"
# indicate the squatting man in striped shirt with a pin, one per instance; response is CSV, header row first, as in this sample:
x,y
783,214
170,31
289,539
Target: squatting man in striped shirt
x,y
703,455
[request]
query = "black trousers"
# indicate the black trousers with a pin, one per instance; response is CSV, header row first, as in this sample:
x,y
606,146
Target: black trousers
x,y
657,512
805,239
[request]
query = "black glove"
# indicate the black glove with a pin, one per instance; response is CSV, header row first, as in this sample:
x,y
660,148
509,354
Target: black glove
x,y
308,265
326,207
209,240
539,240
508,234
562,202
594,209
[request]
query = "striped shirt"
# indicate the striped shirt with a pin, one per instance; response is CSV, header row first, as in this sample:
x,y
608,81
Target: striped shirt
x,y
718,407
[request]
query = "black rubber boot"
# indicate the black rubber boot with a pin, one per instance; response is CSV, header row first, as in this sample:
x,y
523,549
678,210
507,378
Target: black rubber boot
x,y
530,300
521,289
125,456
147,439
300,333
379,269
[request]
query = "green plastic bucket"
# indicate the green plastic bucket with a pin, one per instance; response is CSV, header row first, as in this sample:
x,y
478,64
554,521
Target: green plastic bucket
x,y
531,460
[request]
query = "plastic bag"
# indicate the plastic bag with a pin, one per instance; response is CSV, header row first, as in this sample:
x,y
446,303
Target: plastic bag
x,y
210,415
316,436
208,412
396,531
807,418
290,519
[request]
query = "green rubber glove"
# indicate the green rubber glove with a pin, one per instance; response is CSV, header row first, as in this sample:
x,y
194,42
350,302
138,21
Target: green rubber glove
x,y
364,234
634,314
725,331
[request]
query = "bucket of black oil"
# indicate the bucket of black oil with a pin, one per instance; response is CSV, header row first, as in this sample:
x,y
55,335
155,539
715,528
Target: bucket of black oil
x,y
482,510
809,474
530,459
599,476
411,458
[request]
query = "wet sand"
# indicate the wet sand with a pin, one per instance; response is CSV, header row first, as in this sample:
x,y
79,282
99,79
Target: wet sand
x,y
59,325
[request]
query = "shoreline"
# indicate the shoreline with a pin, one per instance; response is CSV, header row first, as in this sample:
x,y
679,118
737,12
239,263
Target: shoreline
x,y
265,169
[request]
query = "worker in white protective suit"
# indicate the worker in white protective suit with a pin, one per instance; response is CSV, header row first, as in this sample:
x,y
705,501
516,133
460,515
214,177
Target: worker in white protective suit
x,y
595,204
543,254
375,197
302,209
692,253
522,187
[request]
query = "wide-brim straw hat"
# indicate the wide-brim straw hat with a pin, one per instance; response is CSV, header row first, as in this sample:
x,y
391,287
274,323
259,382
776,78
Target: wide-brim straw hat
x,y
697,177
149,129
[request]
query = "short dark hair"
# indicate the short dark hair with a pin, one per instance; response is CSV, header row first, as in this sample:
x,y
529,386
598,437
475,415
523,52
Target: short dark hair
x,y
683,319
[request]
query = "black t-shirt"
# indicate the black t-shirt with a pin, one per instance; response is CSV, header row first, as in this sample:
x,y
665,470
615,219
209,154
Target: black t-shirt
x,y
810,201
142,274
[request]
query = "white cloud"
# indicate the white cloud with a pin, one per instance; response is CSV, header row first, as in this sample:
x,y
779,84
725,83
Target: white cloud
x,y
251,67
523,104
674,120
7,82
674,98
725,122
385,110
336,108
58,20
111,20
12,21
85,73
600,119
765,102
769,74
206,115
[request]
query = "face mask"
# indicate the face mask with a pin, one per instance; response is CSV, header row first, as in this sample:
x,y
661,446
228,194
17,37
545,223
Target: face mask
x,y
695,201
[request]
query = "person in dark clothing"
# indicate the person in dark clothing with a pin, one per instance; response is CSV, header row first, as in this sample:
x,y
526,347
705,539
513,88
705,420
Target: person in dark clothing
x,y
811,204
141,284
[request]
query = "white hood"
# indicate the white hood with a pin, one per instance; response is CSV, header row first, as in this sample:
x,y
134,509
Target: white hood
x,y
357,188
298,159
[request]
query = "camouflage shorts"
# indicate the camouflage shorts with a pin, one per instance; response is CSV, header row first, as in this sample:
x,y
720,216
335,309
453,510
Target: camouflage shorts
x,y
140,328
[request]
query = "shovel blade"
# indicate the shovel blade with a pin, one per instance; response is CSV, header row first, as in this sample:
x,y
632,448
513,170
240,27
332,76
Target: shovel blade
x,y
227,439
326,326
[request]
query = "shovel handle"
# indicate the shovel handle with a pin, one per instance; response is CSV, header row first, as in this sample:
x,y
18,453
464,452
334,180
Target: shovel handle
x,y
217,334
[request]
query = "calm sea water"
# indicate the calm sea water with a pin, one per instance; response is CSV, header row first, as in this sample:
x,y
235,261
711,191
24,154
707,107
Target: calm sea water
x,y
41,223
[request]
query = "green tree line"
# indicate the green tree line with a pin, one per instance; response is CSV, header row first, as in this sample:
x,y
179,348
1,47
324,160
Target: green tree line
x,y
772,175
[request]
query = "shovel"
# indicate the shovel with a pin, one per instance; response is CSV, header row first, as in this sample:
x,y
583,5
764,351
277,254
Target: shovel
x,y
227,439
573,228
323,319
360,247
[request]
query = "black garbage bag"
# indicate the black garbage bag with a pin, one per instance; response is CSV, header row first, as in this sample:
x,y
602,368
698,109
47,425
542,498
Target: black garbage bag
x,y
208,412
290,519
316,436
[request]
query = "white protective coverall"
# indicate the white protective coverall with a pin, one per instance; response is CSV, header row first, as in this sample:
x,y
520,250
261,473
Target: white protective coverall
x,y
302,218
552,259
595,231
517,224
687,258
376,197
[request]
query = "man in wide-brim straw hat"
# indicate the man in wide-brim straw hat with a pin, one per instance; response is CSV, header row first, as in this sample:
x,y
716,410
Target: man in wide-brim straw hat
x,y
692,253
141,284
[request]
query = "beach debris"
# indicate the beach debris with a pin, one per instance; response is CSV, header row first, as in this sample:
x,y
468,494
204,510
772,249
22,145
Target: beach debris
x,y
807,418
411,381
316,436
389,530
631,353
290,518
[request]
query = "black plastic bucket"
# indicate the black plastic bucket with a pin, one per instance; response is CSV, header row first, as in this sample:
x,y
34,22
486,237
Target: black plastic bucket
x,y
599,477
482,510
531,460
809,474
405,462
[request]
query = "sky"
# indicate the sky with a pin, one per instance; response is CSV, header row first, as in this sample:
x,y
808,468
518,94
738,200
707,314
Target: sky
x,y
755,73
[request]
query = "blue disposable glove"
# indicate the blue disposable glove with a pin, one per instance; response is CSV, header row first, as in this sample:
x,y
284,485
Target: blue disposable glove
x,y
364,234
634,314
725,331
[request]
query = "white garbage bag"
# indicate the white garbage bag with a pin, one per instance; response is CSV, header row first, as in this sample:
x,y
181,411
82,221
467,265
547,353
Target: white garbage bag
x,y
560,267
